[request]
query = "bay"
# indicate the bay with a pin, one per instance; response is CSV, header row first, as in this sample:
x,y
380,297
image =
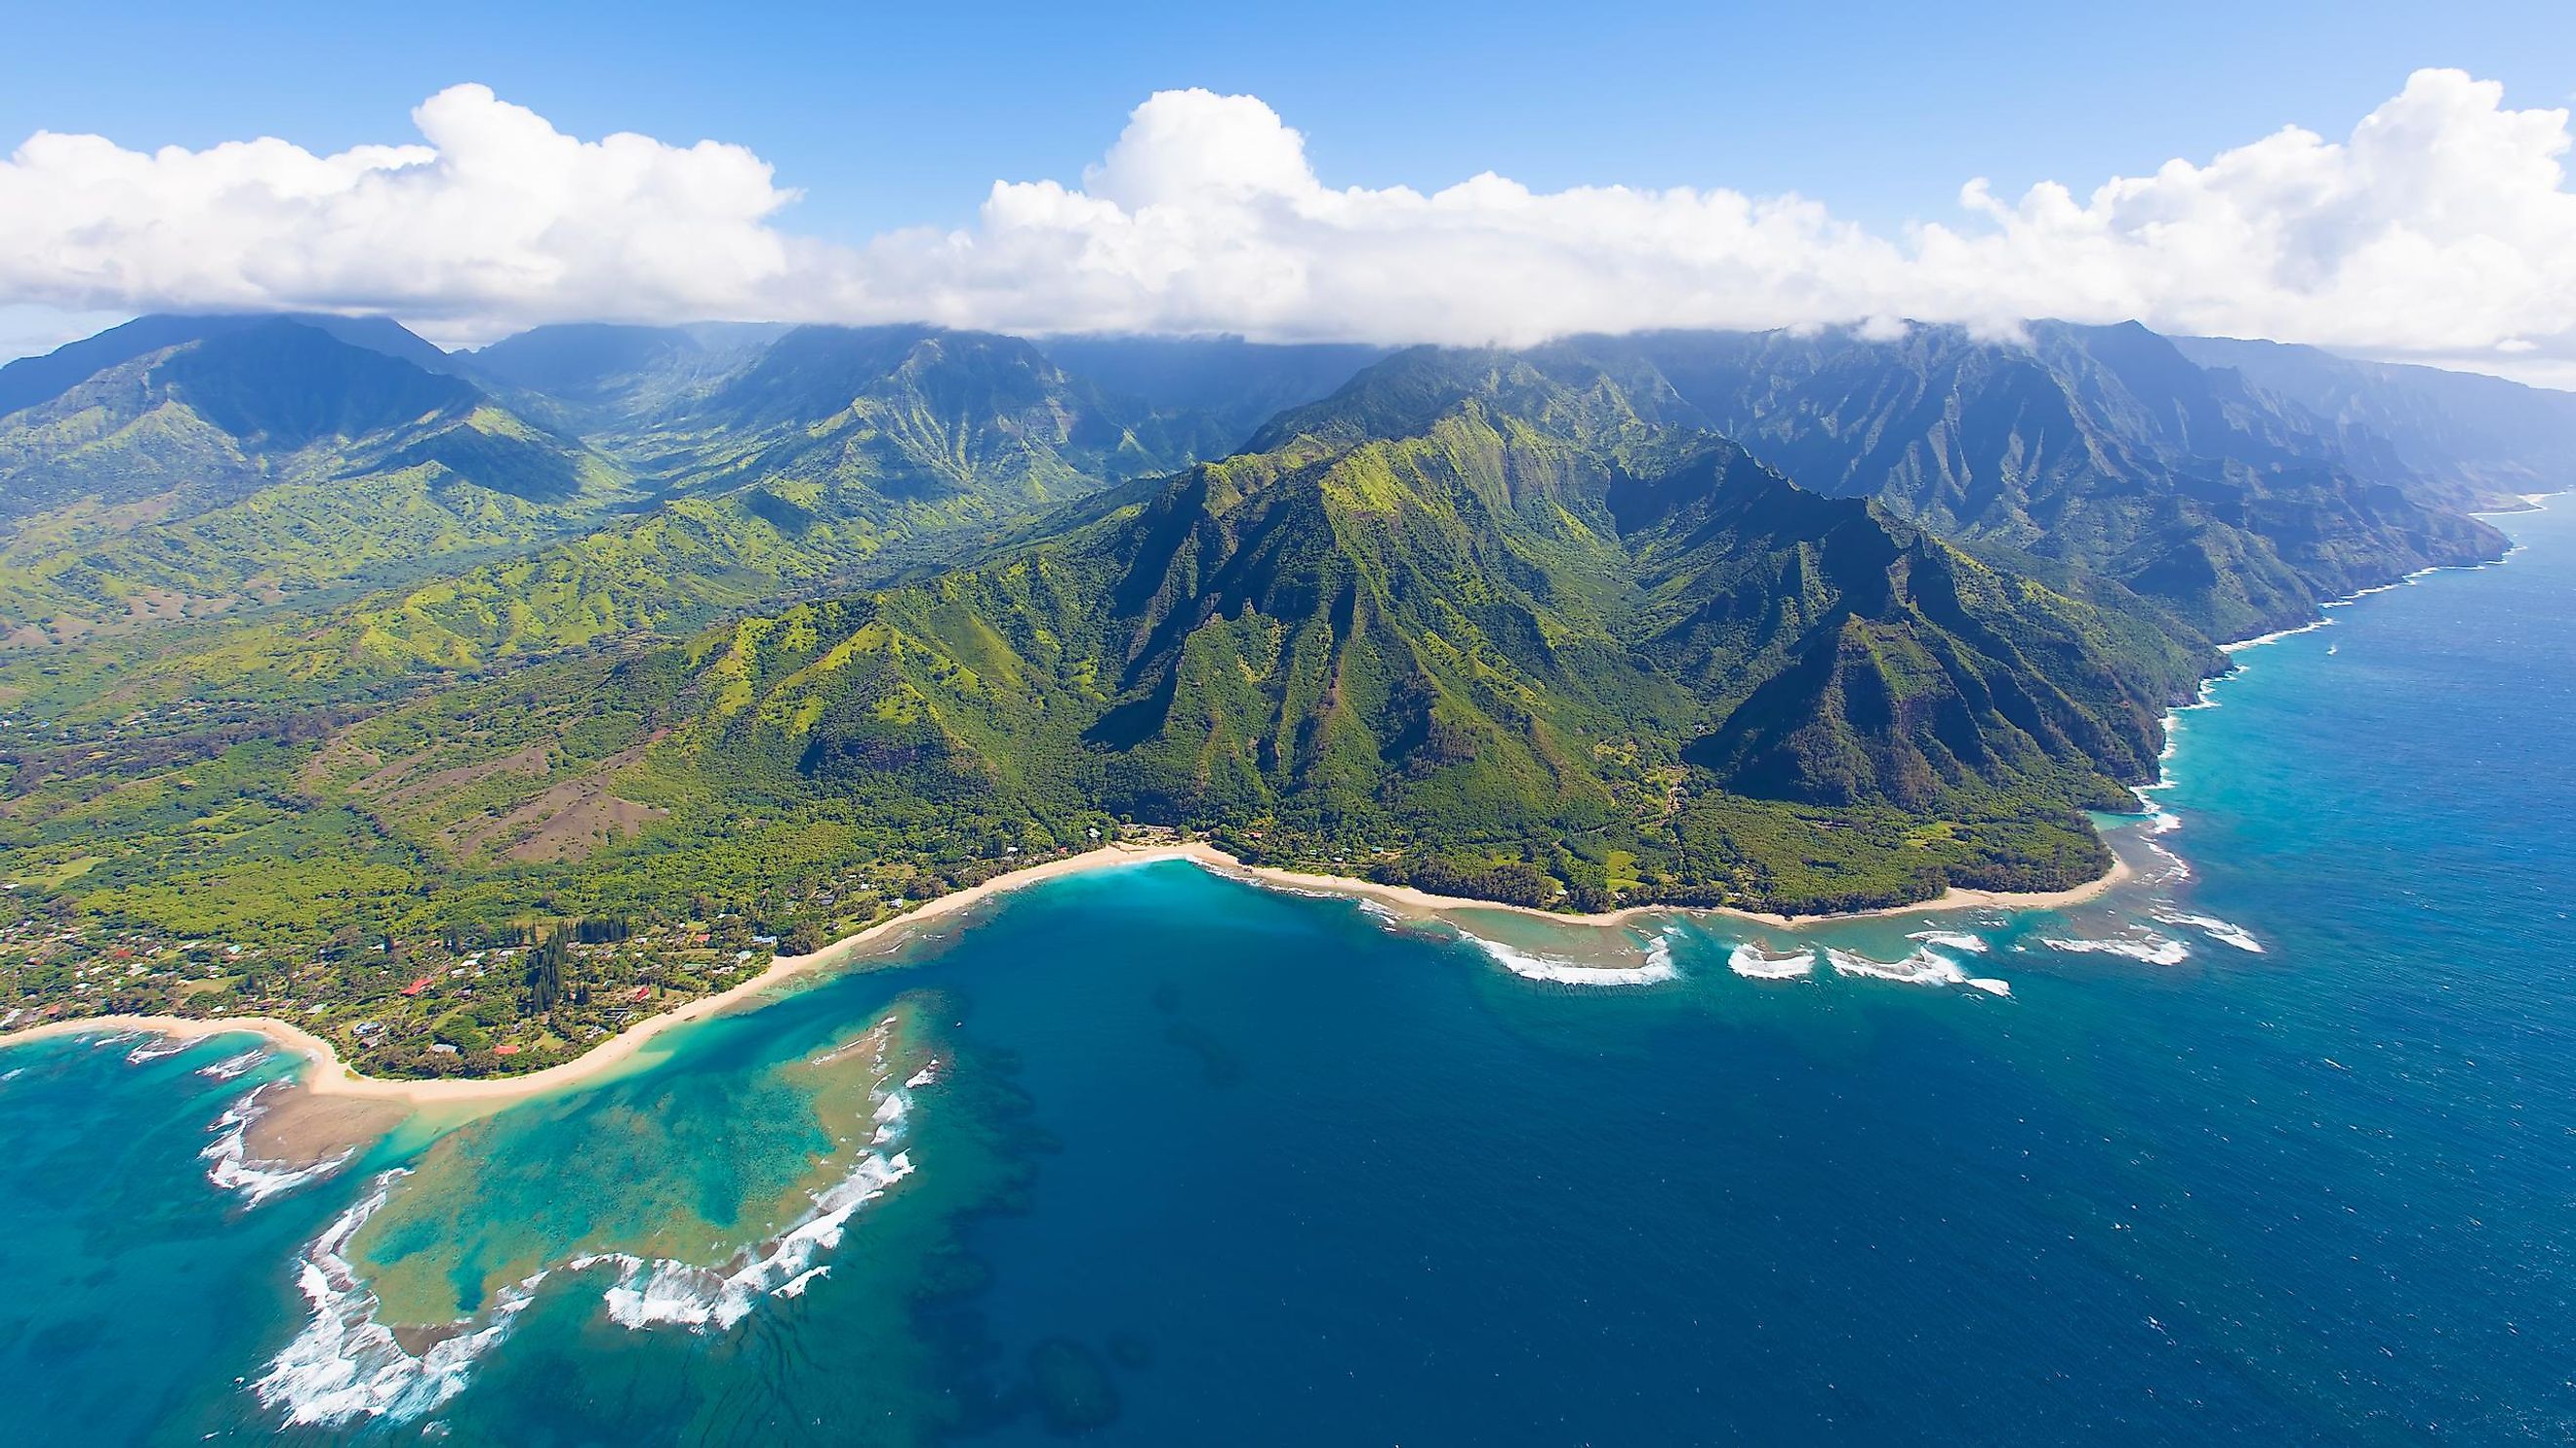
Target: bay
x,y
1184,1160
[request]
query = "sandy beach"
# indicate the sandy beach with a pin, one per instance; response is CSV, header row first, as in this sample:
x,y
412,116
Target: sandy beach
x,y
1406,898
328,1077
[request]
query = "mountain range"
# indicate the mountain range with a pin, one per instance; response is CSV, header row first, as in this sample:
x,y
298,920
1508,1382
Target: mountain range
x,y
605,617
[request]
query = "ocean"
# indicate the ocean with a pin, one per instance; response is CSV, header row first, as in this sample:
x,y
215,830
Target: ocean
x,y
2275,1143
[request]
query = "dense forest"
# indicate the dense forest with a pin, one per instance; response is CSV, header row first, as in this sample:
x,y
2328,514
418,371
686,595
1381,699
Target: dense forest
x,y
479,701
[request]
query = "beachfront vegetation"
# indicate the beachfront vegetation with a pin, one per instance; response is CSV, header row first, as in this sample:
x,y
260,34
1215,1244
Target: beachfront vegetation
x,y
466,712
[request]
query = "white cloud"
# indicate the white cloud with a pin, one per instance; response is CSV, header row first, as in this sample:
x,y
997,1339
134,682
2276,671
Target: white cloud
x,y
2441,227
497,221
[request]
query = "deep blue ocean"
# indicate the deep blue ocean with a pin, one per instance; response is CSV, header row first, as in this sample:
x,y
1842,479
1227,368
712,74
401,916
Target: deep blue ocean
x,y
1153,1157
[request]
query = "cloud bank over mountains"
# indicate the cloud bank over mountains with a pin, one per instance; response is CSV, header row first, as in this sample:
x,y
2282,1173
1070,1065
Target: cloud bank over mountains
x,y
2441,227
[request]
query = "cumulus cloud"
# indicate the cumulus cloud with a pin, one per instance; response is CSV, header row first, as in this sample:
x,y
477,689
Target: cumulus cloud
x,y
497,220
2441,226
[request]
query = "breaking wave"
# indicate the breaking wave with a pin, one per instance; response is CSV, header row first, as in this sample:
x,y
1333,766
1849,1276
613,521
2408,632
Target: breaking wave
x,y
661,1292
2359,594
154,1048
2175,866
233,1067
2279,634
1924,967
1754,963
234,1170
1952,940
653,1292
2222,931
2154,949
346,1365
1658,966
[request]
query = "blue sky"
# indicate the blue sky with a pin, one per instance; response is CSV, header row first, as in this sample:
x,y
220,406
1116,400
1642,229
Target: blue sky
x,y
884,117
893,114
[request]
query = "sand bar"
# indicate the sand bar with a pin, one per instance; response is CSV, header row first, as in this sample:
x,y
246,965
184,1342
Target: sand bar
x,y
328,1076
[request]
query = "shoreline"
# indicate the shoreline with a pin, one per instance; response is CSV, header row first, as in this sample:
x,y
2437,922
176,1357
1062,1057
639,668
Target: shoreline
x,y
328,1076
1955,898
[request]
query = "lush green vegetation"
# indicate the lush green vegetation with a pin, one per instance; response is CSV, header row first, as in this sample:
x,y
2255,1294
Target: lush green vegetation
x,y
1531,638
470,710
2099,460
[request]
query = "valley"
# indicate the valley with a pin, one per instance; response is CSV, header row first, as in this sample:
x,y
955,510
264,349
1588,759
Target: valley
x,y
588,671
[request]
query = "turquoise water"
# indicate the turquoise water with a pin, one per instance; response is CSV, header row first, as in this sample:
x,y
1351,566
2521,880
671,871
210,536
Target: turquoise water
x,y
1178,1160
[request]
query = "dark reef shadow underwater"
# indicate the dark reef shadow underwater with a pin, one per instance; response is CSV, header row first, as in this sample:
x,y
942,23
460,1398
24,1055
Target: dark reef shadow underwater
x,y
1152,1157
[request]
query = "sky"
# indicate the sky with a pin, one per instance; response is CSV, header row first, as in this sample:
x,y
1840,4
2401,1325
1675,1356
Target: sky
x,y
1495,172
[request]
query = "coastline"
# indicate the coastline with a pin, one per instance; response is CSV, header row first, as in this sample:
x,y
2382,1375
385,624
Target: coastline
x,y
1210,858
328,1076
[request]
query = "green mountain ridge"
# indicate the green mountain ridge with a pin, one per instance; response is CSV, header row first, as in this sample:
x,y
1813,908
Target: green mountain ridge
x,y
706,471
1538,616
2483,441
1794,648
786,627
835,452
603,373
2098,458
257,456
722,469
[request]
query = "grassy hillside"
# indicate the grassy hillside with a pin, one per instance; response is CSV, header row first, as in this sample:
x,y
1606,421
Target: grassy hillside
x,y
640,652
2098,458
253,459
1539,630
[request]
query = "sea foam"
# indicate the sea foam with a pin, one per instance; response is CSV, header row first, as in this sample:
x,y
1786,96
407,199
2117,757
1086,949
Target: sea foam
x,y
2154,949
1925,966
1658,965
154,1048
2224,932
231,1067
346,1364
2175,866
661,1292
256,1182
2277,635
1754,963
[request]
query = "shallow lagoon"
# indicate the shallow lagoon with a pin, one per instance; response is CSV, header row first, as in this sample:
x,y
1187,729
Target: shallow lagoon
x,y
1196,1161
